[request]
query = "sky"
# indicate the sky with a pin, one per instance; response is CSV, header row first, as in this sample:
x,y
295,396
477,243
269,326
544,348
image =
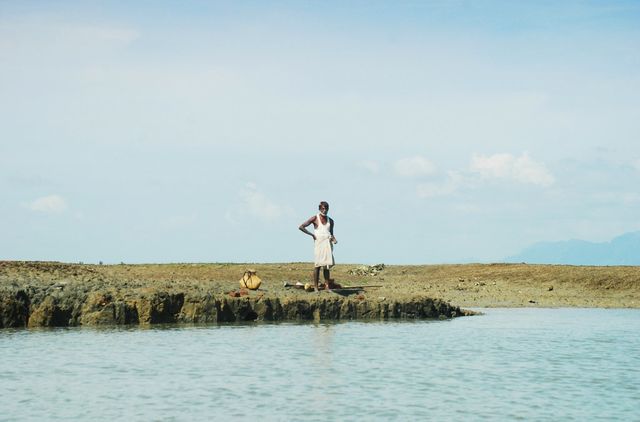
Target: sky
x,y
198,131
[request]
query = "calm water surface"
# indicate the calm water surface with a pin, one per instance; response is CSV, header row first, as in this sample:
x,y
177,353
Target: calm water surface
x,y
509,364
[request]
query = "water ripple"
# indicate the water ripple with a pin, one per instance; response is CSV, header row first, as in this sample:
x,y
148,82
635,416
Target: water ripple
x,y
531,364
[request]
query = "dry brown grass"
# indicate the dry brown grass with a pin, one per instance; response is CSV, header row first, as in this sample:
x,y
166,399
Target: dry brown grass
x,y
471,285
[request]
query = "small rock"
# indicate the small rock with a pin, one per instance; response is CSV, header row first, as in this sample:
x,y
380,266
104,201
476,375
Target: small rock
x,y
550,288
371,270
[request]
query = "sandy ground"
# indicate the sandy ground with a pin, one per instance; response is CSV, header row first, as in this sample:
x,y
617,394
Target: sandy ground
x,y
467,286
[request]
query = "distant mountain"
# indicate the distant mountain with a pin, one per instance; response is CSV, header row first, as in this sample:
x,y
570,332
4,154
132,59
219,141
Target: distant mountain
x,y
622,250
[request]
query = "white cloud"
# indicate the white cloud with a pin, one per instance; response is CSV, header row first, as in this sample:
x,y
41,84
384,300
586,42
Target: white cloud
x,y
506,166
494,166
520,169
415,166
257,204
48,204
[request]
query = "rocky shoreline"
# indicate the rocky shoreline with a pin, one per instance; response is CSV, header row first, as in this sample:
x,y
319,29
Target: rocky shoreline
x,y
28,308
53,294
56,296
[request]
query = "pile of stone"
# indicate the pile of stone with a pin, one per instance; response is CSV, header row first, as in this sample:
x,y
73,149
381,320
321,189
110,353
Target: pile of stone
x,y
370,270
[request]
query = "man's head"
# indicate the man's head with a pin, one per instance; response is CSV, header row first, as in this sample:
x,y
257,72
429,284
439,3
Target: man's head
x,y
323,207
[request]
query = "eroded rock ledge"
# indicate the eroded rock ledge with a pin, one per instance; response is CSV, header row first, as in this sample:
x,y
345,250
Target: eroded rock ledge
x,y
30,307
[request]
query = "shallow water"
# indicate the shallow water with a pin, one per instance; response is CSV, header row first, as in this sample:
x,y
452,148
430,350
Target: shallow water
x,y
533,364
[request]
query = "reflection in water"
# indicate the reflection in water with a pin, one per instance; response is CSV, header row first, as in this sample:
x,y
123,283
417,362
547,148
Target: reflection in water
x,y
323,345
508,364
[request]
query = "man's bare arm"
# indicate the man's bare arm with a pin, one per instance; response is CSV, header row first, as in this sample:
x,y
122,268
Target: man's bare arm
x,y
303,226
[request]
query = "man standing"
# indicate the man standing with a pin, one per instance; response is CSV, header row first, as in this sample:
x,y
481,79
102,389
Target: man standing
x,y
324,241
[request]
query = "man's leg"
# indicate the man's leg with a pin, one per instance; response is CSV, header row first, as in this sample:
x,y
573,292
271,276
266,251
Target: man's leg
x,y
327,282
316,277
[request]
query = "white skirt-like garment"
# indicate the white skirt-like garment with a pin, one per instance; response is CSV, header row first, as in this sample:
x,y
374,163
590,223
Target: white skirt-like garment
x,y
323,252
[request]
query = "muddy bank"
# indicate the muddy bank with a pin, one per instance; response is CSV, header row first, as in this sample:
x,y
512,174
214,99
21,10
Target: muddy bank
x,y
59,295
19,309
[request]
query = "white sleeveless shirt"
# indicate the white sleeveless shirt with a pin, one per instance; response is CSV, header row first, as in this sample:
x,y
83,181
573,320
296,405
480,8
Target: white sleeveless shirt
x,y
322,229
323,250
